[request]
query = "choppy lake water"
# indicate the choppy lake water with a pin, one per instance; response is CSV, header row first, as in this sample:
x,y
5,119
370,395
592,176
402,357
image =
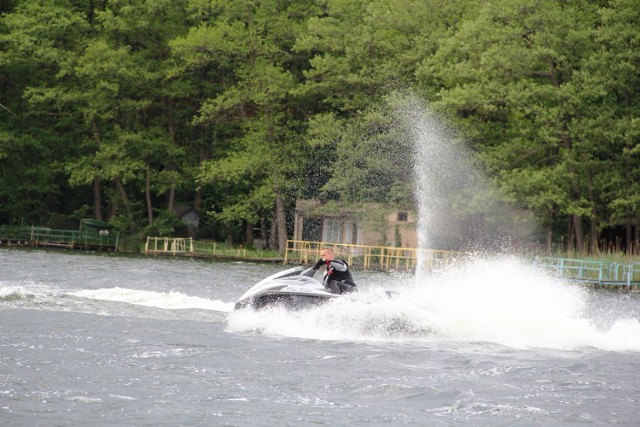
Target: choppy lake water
x,y
95,339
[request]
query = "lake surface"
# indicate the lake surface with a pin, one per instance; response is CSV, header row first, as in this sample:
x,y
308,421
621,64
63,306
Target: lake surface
x,y
96,339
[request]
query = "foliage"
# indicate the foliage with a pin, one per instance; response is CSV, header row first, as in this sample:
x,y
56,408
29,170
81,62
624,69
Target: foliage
x,y
372,161
237,108
166,224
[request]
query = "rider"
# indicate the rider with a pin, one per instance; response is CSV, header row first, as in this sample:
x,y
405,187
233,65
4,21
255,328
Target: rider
x,y
338,277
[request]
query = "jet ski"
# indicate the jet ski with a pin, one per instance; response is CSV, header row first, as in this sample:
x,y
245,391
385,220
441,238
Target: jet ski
x,y
294,288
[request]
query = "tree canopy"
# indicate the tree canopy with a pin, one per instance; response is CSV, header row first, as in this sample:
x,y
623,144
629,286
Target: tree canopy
x,y
124,110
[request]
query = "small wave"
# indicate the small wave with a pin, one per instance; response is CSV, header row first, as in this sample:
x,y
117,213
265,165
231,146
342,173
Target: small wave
x,y
121,397
163,353
84,399
14,293
470,410
28,292
165,300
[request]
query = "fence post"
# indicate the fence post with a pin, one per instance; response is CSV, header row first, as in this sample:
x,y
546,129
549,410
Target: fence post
x,y
600,274
286,253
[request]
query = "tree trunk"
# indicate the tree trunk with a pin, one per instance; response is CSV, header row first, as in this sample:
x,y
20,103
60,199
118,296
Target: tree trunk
x,y
113,207
264,231
147,192
595,248
125,201
577,223
97,198
570,242
273,241
171,197
172,135
593,244
281,228
549,238
249,235
197,200
629,242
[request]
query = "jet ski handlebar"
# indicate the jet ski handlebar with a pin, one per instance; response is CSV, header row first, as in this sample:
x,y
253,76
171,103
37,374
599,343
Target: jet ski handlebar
x,y
309,272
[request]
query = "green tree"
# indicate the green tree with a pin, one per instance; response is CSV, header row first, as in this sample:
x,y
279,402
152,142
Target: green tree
x,y
107,86
508,75
240,107
34,143
611,89
372,160
362,51
247,48
160,134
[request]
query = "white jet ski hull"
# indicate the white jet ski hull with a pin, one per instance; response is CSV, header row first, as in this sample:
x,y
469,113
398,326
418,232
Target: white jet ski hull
x,y
293,289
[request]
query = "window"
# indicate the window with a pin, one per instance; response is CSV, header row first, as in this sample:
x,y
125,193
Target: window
x,y
350,233
332,230
312,229
402,216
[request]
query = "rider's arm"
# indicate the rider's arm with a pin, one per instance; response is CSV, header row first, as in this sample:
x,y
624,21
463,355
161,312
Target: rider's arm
x,y
338,265
319,264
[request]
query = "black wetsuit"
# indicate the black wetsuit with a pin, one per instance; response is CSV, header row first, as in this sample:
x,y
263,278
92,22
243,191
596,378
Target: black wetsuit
x,y
339,278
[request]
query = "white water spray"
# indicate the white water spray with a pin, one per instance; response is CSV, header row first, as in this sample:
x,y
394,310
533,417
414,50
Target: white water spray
x,y
498,300
438,169
166,300
457,208
501,300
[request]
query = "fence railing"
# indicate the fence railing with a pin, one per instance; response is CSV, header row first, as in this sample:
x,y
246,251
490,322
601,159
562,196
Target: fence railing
x,y
572,268
590,270
169,245
190,247
306,252
14,233
366,256
632,273
45,236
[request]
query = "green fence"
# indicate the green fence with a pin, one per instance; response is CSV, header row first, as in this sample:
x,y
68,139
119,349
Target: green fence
x,y
45,236
13,233
591,271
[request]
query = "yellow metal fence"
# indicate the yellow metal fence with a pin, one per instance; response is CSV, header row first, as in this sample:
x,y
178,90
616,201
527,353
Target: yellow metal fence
x,y
189,247
367,257
169,245
305,252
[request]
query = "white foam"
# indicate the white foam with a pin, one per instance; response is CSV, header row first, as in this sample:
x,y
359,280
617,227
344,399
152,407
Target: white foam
x,y
27,290
500,301
166,300
14,291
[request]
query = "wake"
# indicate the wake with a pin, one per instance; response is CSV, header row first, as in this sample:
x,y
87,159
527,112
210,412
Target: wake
x,y
499,301
164,300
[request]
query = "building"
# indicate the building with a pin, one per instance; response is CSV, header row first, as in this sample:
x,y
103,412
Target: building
x,y
370,224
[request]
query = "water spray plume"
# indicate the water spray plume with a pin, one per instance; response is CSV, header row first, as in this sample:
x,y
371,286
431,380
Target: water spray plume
x,y
484,297
441,173
457,207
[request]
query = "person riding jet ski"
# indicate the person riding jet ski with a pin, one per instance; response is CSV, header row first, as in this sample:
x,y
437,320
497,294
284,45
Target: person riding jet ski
x,y
338,278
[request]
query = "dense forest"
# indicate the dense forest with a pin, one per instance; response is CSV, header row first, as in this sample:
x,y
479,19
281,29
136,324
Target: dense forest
x,y
121,110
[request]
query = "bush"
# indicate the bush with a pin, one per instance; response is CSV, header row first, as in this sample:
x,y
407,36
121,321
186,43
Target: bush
x,y
167,224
